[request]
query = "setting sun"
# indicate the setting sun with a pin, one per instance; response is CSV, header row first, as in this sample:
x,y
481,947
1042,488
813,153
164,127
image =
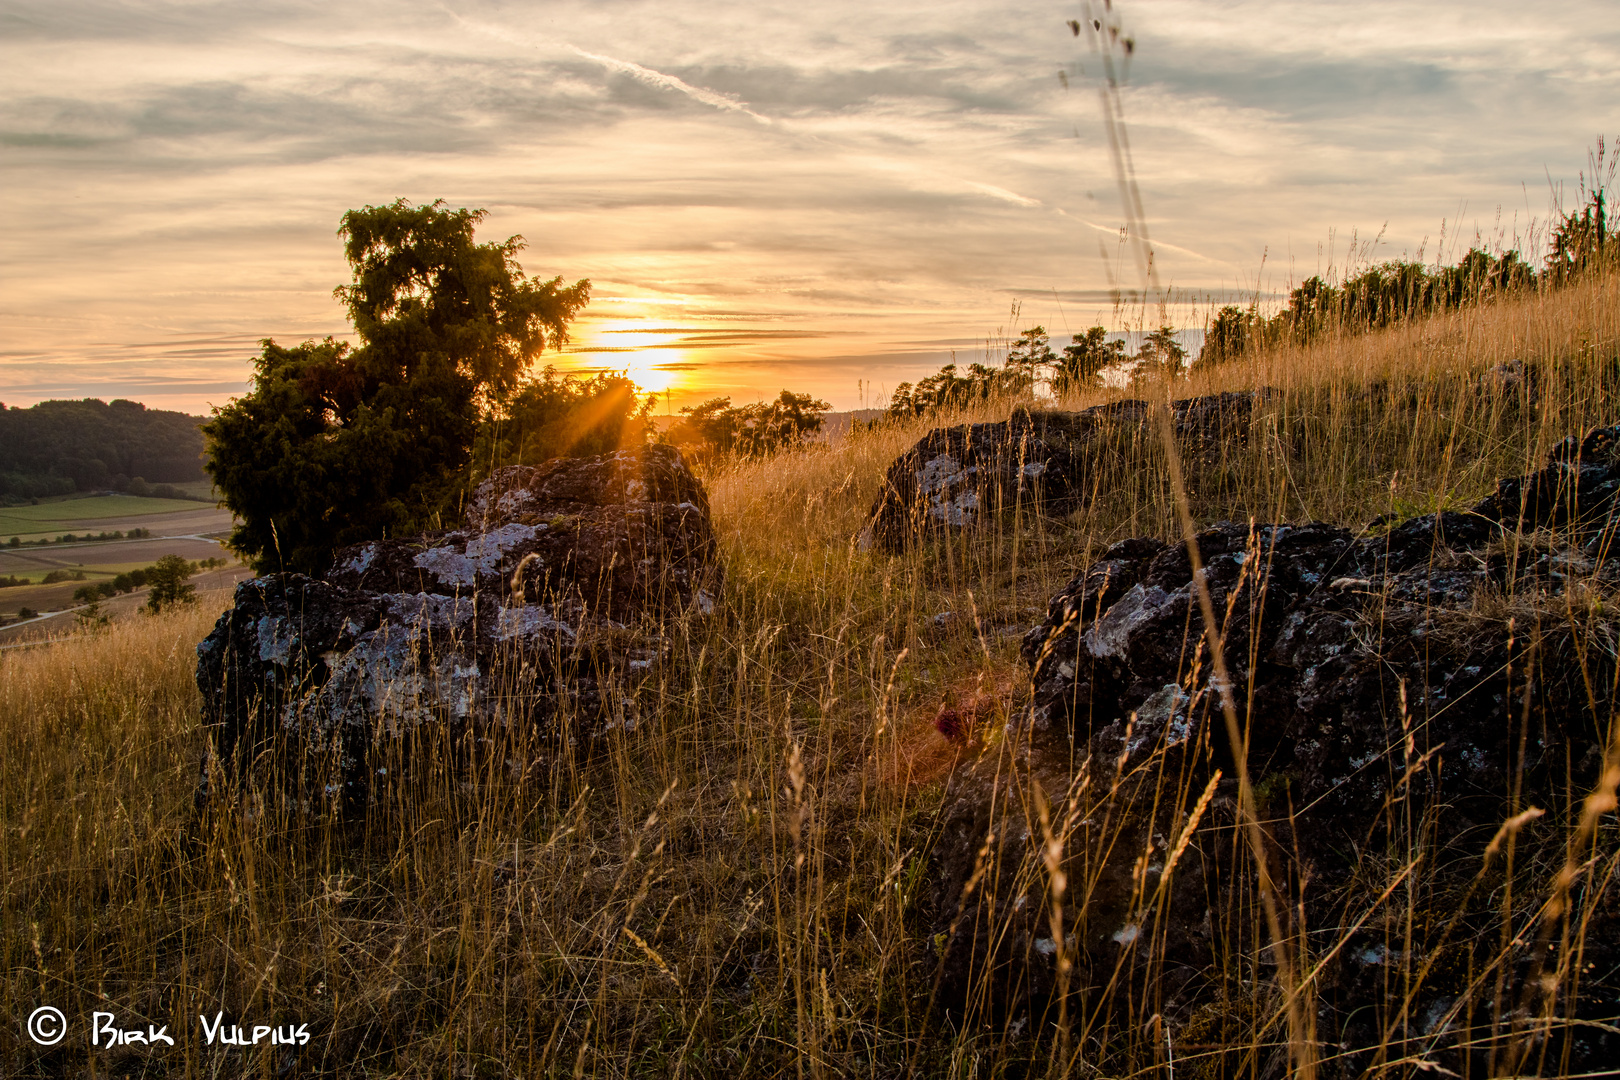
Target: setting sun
x,y
644,353
654,370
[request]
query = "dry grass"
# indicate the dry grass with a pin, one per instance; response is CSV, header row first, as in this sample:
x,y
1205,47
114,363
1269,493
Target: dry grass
x,y
732,888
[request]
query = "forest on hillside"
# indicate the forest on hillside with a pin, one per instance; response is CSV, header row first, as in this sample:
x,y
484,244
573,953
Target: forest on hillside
x,y
59,447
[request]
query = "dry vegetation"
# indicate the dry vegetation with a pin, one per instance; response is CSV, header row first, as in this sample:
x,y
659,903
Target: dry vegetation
x,y
730,888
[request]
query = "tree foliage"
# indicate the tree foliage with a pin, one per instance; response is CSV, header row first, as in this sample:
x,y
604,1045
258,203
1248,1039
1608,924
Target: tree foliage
x,y
1233,332
1030,360
168,583
756,430
1031,354
947,390
553,415
1384,295
1161,356
1583,239
1084,360
58,447
337,444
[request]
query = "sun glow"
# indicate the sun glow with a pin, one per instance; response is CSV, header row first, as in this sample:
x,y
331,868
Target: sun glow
x,y
642,353
656,370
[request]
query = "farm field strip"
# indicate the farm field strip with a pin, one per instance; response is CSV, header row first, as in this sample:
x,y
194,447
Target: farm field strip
x,y
92,507
192,520
112,555
213,590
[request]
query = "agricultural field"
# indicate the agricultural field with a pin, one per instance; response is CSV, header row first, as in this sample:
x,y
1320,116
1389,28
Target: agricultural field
x,y
179,527
109,513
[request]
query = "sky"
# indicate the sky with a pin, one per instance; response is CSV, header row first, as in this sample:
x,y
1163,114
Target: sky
x,y
830,198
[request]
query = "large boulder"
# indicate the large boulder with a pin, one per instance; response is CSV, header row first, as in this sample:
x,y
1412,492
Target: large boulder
x,y
1401,695
962,476
541,610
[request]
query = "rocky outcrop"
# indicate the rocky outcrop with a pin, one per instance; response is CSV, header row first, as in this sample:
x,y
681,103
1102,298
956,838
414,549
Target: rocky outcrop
x,y
961,476
1400,696
540,611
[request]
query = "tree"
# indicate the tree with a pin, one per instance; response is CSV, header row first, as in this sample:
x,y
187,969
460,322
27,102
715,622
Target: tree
x,y
756,430
1161,355
335,444
167,578
56,447
712,424
945,389
1083,360
1031,353
1233,333
1579,239
787,421
555,414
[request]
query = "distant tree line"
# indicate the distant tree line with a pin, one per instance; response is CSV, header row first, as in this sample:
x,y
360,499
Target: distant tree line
x,y
1380,296
60,447
757,430
1079,365
166,580
1399,291
83,538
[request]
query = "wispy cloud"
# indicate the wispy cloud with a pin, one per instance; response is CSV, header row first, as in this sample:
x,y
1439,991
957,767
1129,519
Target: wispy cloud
x,y
647,75
174,174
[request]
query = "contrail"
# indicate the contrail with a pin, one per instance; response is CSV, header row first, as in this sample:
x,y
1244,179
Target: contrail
x,y
670,82
712,98
1001,193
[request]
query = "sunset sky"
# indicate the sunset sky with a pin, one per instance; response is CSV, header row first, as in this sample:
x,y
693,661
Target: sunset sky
x,y
828,197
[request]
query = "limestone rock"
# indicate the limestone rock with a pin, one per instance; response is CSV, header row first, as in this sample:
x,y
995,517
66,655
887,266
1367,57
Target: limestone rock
x,y
543,607
959,477
1376,680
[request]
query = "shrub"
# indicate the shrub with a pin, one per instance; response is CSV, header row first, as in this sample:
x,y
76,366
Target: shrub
x,y
169,586
757,430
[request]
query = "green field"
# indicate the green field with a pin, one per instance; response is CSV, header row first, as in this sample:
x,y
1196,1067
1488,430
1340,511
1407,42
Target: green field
x,y
197,488
60,516
92,572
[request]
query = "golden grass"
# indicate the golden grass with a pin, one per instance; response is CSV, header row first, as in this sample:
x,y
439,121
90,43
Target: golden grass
x,y
732,888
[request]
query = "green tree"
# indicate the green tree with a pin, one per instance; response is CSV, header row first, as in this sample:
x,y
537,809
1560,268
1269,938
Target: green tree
x,y
553,415
1233,333
167,578
756,430
712,425
1031,353
1582,239
945,389
1083,360
787,421
1161,355
336,445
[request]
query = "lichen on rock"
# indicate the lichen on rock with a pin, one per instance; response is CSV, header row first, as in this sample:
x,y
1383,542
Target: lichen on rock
x,y
963,476
1400,695
544,606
